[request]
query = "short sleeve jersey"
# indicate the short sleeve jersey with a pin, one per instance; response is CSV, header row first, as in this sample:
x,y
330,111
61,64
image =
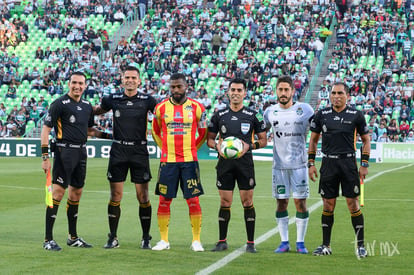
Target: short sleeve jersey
x,y
290,127
339,130
243,124
177,126
130,115
70,119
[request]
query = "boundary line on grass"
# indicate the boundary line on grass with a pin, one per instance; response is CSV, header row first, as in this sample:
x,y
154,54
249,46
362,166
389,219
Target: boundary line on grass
x,y
238,252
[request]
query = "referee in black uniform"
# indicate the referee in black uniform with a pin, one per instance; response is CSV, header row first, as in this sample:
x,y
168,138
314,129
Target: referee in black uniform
x,y
243,123
129,152
338,126
72,119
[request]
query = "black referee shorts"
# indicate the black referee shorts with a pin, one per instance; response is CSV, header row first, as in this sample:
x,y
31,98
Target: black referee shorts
x,y
231,170
69,167
339,172
134,158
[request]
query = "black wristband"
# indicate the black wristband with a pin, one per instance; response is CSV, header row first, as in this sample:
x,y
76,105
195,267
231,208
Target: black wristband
x,y
45,150
311,156
256,145
106,135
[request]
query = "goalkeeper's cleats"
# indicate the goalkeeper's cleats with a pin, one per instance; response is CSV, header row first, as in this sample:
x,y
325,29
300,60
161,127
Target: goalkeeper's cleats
x,y
161,245
322,250
145,243
196,246
250,248
300,248
51,245
283,248
220,246
112,242
361,252
78,242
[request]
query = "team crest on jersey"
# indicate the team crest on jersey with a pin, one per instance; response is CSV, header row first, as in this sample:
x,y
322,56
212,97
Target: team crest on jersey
x,y
299,111
177,115
223,129
129,103
78,108
117,113
275,112
245,127
72,119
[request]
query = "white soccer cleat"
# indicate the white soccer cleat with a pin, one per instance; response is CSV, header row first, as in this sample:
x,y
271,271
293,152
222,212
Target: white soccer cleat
x,y
197,247
161,245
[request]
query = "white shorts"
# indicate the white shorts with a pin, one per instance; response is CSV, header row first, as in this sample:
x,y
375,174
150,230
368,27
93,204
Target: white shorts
x,y
285,181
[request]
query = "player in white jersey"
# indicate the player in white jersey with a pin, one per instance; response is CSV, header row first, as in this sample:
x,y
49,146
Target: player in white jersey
x,y
290,124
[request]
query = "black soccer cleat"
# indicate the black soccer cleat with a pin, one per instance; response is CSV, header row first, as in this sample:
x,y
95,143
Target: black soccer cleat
x,y
220,246
145,242
250,248
112,242
322,250
78,242
51,245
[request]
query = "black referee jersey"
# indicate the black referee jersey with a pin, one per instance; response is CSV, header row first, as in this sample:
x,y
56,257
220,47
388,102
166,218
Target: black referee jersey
x,y
129,115
70,119
242,124
339,129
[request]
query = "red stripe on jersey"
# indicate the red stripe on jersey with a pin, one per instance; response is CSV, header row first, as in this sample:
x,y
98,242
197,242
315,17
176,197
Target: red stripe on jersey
x,y
179,139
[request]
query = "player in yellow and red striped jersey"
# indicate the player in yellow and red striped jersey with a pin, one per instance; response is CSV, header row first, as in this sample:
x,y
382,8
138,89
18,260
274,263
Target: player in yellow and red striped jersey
x,y
179,128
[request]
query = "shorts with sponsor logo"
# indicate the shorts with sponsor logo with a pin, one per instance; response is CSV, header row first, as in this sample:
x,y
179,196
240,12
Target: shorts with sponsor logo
x,y
183,174
133,158
69,167
339,172
290,181
230,171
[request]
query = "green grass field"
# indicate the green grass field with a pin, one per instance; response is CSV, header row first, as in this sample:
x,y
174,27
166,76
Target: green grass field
x,y
388,216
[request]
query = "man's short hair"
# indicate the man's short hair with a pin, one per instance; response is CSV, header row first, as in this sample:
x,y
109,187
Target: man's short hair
x,y
131,68
346,88
285,79
78,73
238,81
177,76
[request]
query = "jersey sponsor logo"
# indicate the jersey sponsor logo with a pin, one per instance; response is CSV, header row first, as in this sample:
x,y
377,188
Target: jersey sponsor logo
x,y
223,129
129,103
247,112
298,123
234,118
245,127
117,96
278,134
275,123
350,111
85,101
178,125
299,111
78,108
336,118
72,119
117,113
280,189
223,113
327,111
66,101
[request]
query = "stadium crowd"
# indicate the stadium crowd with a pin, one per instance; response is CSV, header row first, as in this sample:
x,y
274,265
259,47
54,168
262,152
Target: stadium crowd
x,y
212,42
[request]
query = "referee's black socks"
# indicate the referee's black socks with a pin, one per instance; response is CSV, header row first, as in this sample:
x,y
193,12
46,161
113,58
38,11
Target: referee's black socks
x,y
358,223
327,223
50,219
114,213
250,220
72,213
145,211
224,219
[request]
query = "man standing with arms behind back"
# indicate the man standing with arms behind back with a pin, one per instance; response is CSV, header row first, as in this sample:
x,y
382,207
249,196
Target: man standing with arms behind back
x,y
176,122
72,119
339,126
129,152
290,124
243,123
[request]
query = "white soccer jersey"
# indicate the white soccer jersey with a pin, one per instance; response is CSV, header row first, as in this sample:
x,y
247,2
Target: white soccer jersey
x,y
290,127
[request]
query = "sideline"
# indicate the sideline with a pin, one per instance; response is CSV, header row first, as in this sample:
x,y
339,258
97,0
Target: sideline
x,y
238,252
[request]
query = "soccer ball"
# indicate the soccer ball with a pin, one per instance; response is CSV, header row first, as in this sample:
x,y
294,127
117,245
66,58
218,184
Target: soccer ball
x,y
231,147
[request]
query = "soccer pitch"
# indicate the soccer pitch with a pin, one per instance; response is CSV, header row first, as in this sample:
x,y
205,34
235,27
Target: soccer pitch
x,y
389,200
